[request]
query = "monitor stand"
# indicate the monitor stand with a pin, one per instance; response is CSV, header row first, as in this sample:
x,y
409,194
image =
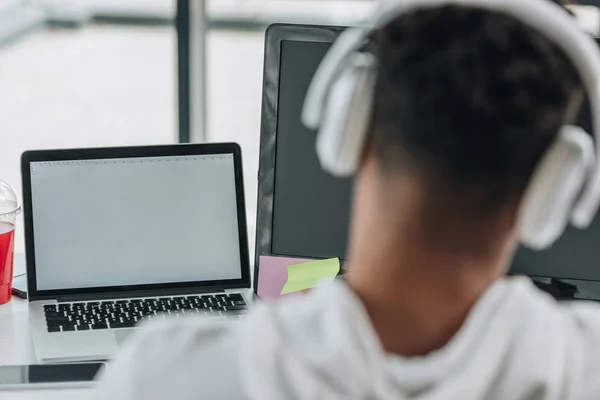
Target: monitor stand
x,y
558,289
568,290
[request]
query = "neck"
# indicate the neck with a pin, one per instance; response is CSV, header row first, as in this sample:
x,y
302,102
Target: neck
x,y
416,304
417,291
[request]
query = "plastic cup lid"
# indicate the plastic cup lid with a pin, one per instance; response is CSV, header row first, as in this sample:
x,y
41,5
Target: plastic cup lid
x,y
8,200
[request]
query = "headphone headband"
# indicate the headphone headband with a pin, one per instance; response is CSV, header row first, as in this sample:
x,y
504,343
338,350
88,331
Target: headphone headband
x,y
542,15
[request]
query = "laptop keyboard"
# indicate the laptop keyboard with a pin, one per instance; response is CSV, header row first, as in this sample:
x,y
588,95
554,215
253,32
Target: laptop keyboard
x,y
117,314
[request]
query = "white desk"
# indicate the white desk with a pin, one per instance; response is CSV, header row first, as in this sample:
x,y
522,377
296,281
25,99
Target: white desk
x,y
16,347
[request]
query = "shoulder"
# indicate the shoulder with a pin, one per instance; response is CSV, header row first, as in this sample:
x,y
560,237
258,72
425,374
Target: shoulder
x,y
175,359
181,358
553,345
586,318
579,320
586,315
578,325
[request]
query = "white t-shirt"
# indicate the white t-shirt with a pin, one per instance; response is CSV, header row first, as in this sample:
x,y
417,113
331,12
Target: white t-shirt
x,y
517,343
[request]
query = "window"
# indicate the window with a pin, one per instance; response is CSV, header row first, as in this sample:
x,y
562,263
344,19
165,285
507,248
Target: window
x,y
84,76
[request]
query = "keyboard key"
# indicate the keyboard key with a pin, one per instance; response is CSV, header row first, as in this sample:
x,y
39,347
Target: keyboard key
x,y
118,325
58,321
53,314
235,308
54,328
100,326
68,328
236,297
50,307
85,327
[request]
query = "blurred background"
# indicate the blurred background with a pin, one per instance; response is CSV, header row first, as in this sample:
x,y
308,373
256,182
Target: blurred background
x,y
81,73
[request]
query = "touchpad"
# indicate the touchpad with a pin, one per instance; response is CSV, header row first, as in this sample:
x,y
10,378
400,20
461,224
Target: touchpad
x,y
122,335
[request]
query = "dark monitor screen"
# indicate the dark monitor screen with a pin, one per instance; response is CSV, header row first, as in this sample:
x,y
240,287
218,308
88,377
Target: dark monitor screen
x,y
311,209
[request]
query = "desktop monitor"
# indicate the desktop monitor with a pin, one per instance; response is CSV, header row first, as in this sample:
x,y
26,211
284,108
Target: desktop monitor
x,y
304,212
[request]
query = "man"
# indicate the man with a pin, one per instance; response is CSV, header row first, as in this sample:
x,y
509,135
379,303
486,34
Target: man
x,y
466,103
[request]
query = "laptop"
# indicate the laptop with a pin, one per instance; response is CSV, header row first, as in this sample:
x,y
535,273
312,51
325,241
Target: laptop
x,y
116,236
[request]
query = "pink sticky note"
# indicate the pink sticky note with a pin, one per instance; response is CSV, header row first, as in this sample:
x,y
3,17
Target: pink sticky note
x,y
273,274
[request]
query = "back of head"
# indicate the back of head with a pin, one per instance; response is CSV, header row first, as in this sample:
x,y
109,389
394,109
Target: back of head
x,y
468,101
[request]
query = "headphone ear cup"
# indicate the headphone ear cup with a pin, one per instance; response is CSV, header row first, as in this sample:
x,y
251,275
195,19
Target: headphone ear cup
x,y
554,187
346,117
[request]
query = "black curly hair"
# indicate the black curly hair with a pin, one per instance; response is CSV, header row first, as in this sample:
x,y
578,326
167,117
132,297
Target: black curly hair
x,y
470,99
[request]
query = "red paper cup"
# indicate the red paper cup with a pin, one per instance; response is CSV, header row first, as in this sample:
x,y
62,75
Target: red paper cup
x,y
7,248
9,208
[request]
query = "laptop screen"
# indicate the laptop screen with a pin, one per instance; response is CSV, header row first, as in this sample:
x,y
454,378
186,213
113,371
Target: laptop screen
x,y
134,221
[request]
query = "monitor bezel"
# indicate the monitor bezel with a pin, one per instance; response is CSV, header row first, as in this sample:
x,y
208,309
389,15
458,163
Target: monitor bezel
x,y
274,36
134,152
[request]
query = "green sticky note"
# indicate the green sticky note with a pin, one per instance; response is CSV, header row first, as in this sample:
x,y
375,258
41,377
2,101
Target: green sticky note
x,y
310,274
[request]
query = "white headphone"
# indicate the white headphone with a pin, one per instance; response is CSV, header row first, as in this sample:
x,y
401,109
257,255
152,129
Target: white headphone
x,y
565,185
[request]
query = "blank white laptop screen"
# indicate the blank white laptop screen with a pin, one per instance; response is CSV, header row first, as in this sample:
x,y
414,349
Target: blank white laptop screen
x,y
134,221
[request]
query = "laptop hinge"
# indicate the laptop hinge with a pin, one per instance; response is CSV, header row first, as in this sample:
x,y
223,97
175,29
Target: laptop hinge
x,y
131,294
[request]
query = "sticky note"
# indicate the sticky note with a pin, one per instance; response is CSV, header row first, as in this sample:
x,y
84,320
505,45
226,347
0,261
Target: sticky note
x,y
310,274
273,274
